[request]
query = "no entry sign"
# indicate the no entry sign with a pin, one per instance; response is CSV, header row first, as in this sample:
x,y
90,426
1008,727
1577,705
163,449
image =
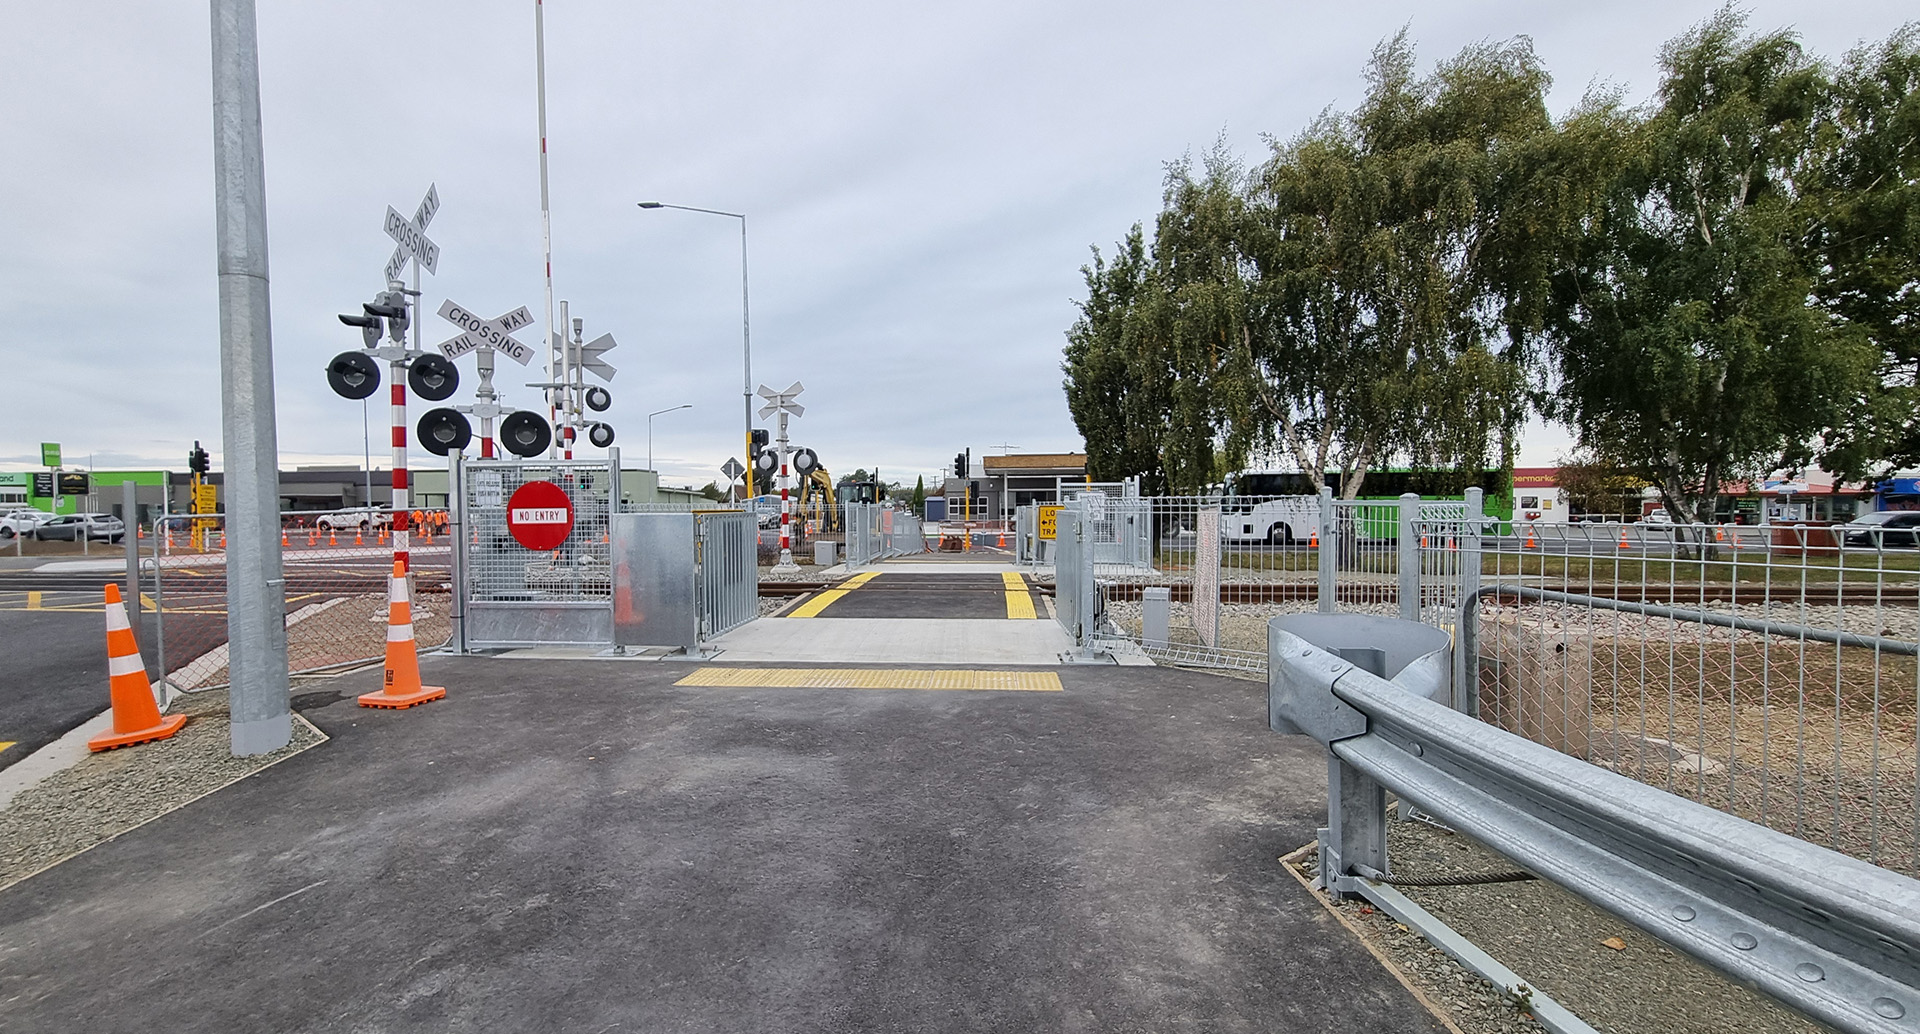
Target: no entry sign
x,y
539,515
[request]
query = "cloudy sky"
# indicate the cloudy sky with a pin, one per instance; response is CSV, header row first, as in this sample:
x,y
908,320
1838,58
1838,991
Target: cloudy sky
x,y
923,183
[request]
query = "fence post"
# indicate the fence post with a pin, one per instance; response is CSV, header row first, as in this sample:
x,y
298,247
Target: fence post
x,y
1466,668
1329,552
457,548
1409,558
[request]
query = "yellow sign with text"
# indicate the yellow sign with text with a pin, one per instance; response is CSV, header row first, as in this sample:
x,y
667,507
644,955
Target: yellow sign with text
x,y
1048,515
205,499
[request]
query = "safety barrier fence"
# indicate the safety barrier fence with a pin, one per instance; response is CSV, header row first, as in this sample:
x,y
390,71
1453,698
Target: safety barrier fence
x,y
1829,935
727,571
1768,672
335,596
876,531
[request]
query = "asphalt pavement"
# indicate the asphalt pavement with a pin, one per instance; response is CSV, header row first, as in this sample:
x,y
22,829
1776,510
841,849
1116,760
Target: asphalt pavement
x,y
55,673
587,846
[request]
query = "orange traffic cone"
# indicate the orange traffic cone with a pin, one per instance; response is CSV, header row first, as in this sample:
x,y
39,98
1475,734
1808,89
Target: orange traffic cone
x,y
136,718
1623,537
1003,540
1423,542
1529,543
476,536
1719,533
1313,539
139,531
313,538
359,538
283,539
223,539
402,688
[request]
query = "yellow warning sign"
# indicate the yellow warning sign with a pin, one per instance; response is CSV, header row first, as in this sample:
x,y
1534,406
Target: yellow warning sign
x,y
1047,516
205,499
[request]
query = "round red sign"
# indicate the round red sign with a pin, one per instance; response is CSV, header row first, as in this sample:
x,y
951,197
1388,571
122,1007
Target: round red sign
x,y
539,515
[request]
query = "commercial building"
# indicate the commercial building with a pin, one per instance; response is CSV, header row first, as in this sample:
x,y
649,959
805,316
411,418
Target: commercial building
x,y
998,485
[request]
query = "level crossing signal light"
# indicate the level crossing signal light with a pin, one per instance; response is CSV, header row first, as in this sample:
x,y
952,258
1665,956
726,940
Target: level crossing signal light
x,y
601,435
525,434
198,461
805,461
433,378
444,430
598,399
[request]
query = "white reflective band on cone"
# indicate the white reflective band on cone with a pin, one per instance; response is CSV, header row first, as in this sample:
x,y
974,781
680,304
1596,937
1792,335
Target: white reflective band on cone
x,y
128,665
399,633
117,616
398,590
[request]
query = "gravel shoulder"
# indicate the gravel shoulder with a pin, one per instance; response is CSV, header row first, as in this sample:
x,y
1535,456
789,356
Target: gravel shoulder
x,y
109,793
1555,941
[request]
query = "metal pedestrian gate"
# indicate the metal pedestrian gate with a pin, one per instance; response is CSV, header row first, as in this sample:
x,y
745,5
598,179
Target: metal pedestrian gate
x,y
522,597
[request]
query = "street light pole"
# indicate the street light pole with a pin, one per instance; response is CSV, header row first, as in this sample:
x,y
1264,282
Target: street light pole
x,y
650,416
746,334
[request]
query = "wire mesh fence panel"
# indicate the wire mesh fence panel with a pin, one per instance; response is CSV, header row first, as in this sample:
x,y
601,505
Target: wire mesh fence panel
x,y
336,593
1769,672
1228,563
500,569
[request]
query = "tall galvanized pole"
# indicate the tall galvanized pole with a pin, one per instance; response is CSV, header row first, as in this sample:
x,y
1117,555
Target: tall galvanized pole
x,y
256,599
746,359
546,217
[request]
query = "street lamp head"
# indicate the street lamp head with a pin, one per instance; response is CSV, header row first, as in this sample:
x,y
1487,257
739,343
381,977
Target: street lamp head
x,y
651,204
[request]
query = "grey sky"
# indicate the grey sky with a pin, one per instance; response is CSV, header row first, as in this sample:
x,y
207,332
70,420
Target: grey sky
x,y
923,183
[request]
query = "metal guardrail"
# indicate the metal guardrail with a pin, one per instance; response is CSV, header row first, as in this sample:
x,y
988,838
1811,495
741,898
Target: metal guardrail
x,y
1832,936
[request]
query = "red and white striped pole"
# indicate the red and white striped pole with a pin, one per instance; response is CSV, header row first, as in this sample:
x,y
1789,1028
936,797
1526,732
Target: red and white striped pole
x,y
786,508
398,373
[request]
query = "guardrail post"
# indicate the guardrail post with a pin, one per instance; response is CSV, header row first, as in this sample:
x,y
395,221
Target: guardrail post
x,y
1409,558
1355,840
1329,553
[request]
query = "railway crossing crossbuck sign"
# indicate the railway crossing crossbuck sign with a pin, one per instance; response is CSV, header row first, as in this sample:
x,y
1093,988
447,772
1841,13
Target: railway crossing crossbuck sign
x,y
539,515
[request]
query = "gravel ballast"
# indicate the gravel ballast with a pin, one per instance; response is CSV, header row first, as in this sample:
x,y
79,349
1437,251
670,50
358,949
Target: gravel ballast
x,y
1553,940
108,793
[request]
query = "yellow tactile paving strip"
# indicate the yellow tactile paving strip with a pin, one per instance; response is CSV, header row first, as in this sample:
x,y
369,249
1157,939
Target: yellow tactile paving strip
x,y
1019,602
814,606
874,678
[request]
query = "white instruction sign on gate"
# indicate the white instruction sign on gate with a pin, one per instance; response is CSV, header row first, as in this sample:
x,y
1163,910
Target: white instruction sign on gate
x,y
486,490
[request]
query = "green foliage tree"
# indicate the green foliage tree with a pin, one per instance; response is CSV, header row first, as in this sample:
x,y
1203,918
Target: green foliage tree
x,y
714,492
919,498
1687,351
1863,184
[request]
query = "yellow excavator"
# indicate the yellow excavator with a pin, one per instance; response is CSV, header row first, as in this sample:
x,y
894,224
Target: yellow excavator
x,y
819,503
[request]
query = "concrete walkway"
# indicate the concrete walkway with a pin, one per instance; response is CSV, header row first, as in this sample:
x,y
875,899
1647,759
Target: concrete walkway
x,y
593,847
894,641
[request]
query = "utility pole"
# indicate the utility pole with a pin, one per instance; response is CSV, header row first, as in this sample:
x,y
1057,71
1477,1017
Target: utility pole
x,y
256,586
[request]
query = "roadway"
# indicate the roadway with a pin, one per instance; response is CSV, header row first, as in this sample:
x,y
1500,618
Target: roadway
x,y
56,666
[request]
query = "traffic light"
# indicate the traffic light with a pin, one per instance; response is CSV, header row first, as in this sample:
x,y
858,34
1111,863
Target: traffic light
x,y
369,327
198,461
392,307
959,464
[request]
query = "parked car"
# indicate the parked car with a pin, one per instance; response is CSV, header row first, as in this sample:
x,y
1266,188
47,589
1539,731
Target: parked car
x,y
1884,528
70,527
22,522
1660,516
363,519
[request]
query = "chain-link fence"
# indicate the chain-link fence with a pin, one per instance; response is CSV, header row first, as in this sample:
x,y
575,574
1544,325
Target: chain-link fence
x,y
336,593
